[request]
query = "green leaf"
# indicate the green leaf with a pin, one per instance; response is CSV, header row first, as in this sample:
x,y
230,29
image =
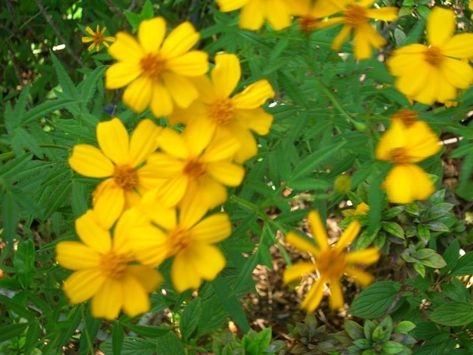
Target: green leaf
x,y
257,343
430,258
464,265
190,318
353,329
68,88
375,300
7,332
10,214
394,229
117,338
453,314
392,347
148,331
404,327
32,336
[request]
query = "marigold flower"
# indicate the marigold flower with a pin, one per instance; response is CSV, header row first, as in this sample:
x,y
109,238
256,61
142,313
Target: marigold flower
x,y
235,115
406,142
105,269
120,161
156,70
434,73
310,12
189,239
356,15
195,163
331,262
254,12
97,38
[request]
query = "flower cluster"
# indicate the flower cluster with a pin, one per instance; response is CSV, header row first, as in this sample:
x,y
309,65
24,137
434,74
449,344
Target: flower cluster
x,y
158,184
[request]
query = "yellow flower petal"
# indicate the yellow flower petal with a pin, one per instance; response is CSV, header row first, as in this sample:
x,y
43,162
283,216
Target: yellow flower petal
x,y
440,26
222,147
318,230
297,271
173,144
363,257
109,202
172,191
212,229
82,285
198,134
183,274
348,235
151,207
86,39
314,296
406,183
149,245
226,73
121,74
192,208
90,31
181,89
143,141
207,260
137,95
405,57
256,119
89,161
231,5
459,46
108,300
341,37
165,166
210,192
278,15
252,15
247,143
126,48
361,277
149,278
76,256
180,40
193,63
254,95
161,102
135,298
421,141
336,294
414,80
458,73
227,173
394,137
113,140
301,243
383,13
92,234
151,34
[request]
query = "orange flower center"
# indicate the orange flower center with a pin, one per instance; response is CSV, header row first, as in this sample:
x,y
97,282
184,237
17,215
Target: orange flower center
x,y
194,168
355,15
221,111
399,156
307,24
433,56
331,263
125,177
153,65
114,266
178,240
408,117
98,38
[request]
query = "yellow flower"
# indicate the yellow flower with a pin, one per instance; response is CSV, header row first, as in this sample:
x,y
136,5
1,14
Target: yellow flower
x,y
361,210
254,12
97,38
105,269
188,239
196,164
406,142
434,72
120,161
356,15
310,12
331,262
235,115
156,70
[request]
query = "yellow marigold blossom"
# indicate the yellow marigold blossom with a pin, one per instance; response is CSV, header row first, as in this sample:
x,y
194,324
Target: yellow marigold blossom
x,y
360,210
235,115
120,161
434,72
407,142
156,70
254,12
310,12
331,262
196,163
189,239
97,38
105,269
355,15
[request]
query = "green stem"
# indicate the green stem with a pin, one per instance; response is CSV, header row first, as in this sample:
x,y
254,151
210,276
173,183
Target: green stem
x,y
336,103
55,146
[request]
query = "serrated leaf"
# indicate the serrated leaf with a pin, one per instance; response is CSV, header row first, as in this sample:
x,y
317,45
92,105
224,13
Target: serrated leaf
x,y
375,300
453,314
190,318
464,265
68,88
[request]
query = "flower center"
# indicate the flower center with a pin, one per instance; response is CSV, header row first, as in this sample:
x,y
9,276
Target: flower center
x,y
221,111
355,15
331,263
307,24
433,56
178,240
114,265
408,117
399,156
153,65
194,168
125,177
